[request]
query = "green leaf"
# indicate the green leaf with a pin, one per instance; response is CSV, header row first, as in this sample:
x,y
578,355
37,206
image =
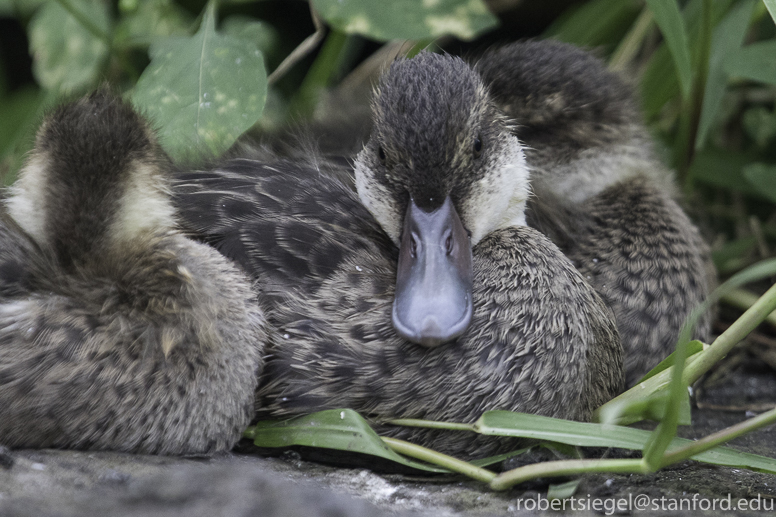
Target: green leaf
x,y
693,347
339,429
754,62
593,23
262,34
143,22
727,40
771,6
669,19
659,83
763,178
563,490
407,19
67,57
203,91
584,434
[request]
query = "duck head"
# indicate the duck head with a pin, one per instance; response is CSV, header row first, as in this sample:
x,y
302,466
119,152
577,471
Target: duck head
x,y
441,170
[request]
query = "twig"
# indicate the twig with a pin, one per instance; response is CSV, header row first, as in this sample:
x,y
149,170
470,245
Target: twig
x,y
304,48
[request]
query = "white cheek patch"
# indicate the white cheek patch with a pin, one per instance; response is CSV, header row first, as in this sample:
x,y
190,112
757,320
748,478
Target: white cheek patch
x,y
498,200
145,206
26,204
377,199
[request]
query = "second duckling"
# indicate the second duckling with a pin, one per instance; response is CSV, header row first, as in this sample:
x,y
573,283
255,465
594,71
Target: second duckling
x,y
116,332
602,195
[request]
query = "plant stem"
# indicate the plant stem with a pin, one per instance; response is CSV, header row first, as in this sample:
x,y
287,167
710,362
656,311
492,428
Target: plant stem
x,y
718,438
431,424
632,42
439,459
743,299
735,333
565,468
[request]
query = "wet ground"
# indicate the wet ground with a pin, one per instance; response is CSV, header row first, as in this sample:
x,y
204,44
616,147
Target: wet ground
x,y
68,483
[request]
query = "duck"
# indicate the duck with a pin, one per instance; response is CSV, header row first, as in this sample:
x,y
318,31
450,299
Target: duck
x,y
421,293
117,332
601,193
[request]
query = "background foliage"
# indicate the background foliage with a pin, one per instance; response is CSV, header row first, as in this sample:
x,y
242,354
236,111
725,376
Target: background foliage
x,y
705,71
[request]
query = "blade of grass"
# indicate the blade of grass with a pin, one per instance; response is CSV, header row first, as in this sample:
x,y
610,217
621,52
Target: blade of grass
x,y
669,19
771,6
630,44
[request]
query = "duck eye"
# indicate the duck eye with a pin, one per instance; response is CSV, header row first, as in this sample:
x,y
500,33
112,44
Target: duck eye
x,y
477,147
381,154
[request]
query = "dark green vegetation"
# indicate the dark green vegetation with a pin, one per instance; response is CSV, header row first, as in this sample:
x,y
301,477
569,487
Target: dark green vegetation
x,y
705,71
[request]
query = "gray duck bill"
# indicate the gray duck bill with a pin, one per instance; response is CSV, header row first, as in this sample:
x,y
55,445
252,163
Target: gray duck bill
x,y
433,300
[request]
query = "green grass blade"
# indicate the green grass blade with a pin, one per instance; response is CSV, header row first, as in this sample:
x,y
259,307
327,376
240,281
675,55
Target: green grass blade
x,y
585,434
726,41
771,6
671,24
339,429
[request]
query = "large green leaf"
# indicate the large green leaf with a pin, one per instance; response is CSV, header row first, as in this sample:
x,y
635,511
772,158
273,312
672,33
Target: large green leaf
x,y
727,39
68,57
204,91
340,429
407,19
583,434
669,19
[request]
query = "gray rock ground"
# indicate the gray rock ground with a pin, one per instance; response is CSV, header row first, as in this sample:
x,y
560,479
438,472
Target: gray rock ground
x,y
70,483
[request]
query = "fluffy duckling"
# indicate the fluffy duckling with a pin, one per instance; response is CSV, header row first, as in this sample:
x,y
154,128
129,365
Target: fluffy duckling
x,y
423,294
601,194
116,332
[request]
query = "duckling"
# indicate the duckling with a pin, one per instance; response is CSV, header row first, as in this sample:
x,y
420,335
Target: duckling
x,y
423,294
601,194
116,331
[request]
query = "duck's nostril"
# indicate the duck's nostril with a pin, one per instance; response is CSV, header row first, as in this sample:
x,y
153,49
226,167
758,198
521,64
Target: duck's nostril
x,y
449,244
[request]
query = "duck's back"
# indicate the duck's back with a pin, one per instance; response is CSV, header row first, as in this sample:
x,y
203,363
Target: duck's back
x,y
289,224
